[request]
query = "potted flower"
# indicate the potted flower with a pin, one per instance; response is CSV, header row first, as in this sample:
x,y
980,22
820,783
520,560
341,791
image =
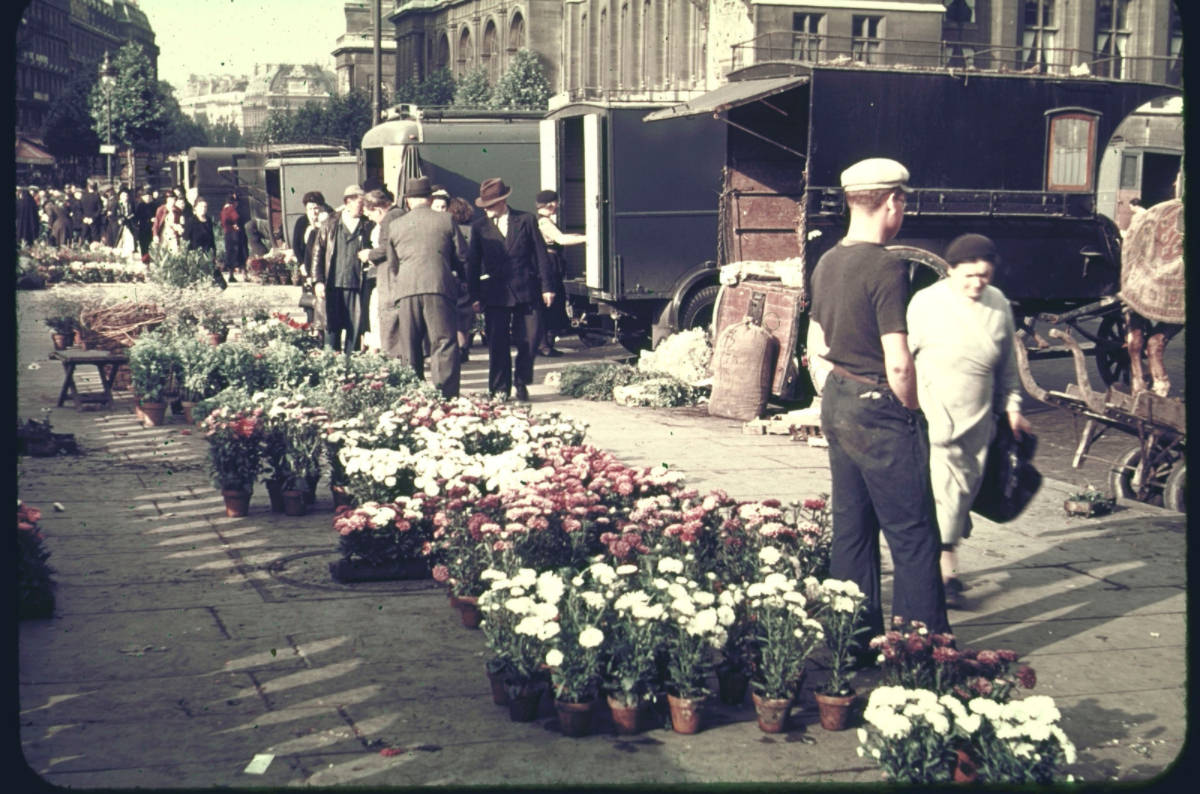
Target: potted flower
x,y
516,626
911,734
153,369
634,635
197,373
575,653
1089,502
842,605
35,585
381,541
785,636
234,454
737,657
215,323
693,636
61,315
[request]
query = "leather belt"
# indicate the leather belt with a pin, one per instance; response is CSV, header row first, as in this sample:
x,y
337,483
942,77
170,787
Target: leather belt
x,y
845,373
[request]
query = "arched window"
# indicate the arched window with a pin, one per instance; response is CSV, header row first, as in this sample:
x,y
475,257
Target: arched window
x,y
464,51
516,32
441,59
489,56
1071,149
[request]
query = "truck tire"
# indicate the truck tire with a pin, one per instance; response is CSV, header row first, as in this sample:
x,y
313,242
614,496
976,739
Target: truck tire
x,y
1175,493
698,310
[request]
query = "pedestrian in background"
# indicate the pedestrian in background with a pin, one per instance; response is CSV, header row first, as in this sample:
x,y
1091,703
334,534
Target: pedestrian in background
x,y
313,200
29,225
554,316
199,234
75,224
510,279
878,448
960,331
424,251
92,211
462,213
144,221
381,210
231,227
57,219
338,272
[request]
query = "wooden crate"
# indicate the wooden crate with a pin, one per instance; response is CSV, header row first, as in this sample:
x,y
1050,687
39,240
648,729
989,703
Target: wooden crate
x,y
779,309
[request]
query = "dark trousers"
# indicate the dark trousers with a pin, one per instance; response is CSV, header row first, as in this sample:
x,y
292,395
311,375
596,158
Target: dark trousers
x,y
507,326
879,463
234,258
343,321
143,241
419,321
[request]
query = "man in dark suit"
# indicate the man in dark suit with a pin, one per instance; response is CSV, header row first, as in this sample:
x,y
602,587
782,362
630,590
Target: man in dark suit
x,y
339,274
144,219
418,286
91,210
510,275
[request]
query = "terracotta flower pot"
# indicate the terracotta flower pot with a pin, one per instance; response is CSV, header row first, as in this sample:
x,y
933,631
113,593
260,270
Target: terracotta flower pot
x,y
468,611
293,503
62,341
153,413
237,503
575,719
275,494
965,770
340,496
499,693
188,407
685,714
772,712
834,710
523,707
626,719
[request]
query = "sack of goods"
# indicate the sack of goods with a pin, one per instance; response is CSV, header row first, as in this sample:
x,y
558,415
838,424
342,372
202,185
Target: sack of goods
x,y
743,365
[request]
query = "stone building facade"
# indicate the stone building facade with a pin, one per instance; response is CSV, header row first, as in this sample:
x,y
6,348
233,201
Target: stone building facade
x,y
667,50
354,52
215,98
283,86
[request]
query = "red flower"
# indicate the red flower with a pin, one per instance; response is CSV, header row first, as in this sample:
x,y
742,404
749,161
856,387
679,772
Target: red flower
x,y
943,655
440,573
917,644
981,685
1027,676
990,658
814,504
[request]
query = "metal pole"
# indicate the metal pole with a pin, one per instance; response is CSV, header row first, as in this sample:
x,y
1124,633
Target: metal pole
x,y
108,130
377,83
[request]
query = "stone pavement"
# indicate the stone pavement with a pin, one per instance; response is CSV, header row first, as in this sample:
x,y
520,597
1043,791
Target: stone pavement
x,y
186,643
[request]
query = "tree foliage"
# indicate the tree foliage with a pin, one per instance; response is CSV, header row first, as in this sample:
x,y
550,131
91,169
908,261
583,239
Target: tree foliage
x,y
139,112
523,86
473,90
181,131
68,130
343,117
436,90
222,133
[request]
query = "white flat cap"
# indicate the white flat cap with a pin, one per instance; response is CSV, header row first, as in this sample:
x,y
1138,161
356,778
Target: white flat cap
x,y
875,173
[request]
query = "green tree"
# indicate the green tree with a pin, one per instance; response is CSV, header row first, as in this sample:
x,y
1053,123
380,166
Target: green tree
x,y
348,116
223,133
182,132
473,90
523,86
139,114
436,90
68,131
276,128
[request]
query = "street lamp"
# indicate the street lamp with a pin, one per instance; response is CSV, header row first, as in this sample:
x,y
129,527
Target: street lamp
x,y
108,77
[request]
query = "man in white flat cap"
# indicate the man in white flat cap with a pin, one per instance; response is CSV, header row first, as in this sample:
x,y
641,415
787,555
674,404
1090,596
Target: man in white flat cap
x,y
878,448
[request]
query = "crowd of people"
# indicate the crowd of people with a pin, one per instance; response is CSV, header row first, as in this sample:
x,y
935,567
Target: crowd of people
x,y
910,395
410,278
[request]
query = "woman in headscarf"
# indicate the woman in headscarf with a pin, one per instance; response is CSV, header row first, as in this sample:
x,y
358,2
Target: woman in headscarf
x,y
960,331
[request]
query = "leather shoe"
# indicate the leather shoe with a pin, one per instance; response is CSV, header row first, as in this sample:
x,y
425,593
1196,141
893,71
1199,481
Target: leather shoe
x,y
522,393
551,352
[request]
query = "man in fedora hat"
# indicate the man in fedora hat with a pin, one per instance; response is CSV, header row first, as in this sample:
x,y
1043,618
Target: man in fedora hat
x,y
338,273
878,448
510,277
418,287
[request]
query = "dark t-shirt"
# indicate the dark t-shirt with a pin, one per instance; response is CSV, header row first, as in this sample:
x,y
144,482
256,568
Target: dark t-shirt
x,y
860,292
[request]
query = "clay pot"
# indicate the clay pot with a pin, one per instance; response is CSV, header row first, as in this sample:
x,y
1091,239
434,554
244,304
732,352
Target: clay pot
x,y
523,706
685,714
575,719
340,497
499,693
468,611
153,413
62,341
188,407
966,770
275,494
215,339
772,712
834,710
237,503
625,719
293,503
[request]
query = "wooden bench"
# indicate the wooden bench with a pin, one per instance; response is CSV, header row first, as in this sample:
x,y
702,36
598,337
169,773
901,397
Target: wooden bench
x,y
106,364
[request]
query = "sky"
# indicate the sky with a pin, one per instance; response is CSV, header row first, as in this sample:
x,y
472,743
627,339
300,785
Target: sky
x,y
230,36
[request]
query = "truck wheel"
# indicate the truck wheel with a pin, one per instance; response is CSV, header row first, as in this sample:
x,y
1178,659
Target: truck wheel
x,y
698,311
1175,494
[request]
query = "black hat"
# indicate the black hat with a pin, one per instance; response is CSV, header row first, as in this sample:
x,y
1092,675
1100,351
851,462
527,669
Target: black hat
x,y
417,188
970,248
546,196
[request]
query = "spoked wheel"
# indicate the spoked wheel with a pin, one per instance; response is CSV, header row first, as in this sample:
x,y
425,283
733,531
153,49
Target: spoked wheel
x,y
924,267
1175,494
1150,483
1112,354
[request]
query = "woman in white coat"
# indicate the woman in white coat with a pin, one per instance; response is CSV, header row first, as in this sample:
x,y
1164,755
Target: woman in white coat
x,y
960,331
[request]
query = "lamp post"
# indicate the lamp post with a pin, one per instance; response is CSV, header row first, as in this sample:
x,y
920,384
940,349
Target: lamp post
x,y
108,76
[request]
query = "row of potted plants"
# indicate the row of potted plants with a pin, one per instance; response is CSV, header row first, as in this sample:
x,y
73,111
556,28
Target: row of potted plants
x,y
43,264
35,582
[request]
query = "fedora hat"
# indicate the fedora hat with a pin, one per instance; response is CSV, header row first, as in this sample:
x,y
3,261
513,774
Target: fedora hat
x,y
417,188
492,191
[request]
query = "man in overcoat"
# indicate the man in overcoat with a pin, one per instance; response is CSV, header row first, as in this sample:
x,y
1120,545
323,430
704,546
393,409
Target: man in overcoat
x,y
510,276
418,286
339,273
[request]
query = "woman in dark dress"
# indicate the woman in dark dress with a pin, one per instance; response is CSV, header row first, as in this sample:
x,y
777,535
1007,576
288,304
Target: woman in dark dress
x,y
200,235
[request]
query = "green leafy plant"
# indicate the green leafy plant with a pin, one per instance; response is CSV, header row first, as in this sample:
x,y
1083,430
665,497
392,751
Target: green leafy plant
x,y
523,86
154,366
179,268
842,605
473,89
234,448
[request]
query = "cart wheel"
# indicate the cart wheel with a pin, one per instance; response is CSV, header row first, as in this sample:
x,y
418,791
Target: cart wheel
x,y
1175,495
924,267
1112,356
1124,482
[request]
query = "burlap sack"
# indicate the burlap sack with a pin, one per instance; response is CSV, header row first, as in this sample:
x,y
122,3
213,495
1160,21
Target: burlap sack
x,y
743,364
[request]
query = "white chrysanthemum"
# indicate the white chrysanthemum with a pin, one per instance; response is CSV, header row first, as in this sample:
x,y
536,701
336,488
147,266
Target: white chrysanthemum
x,y
778,582
704,598
683,606
769,555
530,625
593,599
550,587
725,615
548,631
676,590
626,570
705,622
554,657
544,610
649,612
670,565
591,637
602,572
519,605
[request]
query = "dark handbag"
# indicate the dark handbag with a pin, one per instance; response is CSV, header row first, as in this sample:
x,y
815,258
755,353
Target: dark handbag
x,y
1009,478
308,298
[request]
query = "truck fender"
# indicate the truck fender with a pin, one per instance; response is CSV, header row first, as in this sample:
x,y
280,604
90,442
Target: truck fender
x,y
698,277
